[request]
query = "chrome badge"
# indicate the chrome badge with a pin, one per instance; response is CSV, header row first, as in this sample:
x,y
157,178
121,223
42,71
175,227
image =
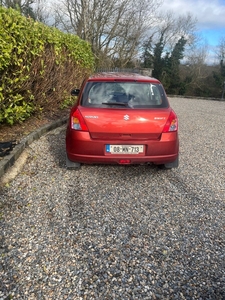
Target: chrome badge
x,y
126,117
91,117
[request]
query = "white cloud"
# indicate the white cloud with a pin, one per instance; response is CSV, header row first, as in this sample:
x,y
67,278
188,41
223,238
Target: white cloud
x,y
210,14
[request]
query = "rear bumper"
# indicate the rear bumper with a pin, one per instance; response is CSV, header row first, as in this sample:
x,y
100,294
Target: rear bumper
x,y
81,148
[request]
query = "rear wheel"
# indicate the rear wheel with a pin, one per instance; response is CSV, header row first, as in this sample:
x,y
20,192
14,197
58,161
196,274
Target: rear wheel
x,y
71,164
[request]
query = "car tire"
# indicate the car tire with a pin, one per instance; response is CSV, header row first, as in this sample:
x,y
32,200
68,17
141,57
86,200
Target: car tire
x,y
174,164
71,164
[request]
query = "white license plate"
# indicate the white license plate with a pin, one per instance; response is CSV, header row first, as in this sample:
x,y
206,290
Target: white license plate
x,y
124,149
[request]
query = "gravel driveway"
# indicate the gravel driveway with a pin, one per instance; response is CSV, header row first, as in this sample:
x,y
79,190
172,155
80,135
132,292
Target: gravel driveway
x,y
119,232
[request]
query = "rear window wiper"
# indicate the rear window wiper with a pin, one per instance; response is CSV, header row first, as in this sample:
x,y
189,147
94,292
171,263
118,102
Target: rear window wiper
x,y
116,103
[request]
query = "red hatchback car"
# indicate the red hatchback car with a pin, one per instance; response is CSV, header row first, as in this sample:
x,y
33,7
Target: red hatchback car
x,y
122,118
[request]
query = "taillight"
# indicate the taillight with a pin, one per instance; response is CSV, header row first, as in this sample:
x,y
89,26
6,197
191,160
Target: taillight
x,y
172,123
124,161
77,121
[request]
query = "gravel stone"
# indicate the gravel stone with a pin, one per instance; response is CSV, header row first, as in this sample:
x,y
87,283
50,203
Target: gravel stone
x,y
119,232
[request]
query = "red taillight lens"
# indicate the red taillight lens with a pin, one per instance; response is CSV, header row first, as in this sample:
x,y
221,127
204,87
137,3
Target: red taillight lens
x,y
172,123
124,161
77,121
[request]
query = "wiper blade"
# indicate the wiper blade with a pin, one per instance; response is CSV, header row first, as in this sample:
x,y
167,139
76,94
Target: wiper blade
x,y
116,103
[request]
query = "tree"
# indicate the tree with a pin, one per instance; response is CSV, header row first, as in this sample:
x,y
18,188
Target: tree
x,y
221,54
115,29
171,76
158,61
168,30
220,49
25,7
171,28
219,76
147,56
41,10
166,48
35,9
194,72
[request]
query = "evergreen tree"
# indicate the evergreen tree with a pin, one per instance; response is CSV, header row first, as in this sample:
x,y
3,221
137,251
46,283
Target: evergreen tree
x,y
170,68
219,78
158,61
166,68
172,64
147,56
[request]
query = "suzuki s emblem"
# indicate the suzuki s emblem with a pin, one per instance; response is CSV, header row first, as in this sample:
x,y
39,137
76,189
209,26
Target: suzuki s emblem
x,y
126,117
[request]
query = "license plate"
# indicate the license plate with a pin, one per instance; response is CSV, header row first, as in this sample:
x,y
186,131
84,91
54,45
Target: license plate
x,y
124,149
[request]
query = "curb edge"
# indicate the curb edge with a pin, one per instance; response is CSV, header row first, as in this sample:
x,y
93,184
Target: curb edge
x,y
10,159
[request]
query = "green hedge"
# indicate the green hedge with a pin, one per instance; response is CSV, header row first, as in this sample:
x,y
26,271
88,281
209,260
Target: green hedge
x,y
38,66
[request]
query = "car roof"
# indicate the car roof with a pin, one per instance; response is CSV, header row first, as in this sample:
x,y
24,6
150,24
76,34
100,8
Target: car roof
x,y
121,76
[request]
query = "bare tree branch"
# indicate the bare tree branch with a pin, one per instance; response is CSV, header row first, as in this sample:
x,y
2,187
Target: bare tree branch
x,y
114,28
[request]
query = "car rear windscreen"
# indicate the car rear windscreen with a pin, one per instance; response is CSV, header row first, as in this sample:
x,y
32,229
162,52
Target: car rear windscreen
x,y
124,95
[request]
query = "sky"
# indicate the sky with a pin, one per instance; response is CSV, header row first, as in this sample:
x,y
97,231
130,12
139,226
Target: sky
x,y
210,15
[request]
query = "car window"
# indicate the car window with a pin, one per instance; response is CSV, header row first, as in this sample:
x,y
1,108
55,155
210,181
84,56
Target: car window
x,y
124,94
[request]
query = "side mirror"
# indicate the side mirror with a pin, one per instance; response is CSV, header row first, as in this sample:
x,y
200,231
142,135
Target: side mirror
x,y
75,92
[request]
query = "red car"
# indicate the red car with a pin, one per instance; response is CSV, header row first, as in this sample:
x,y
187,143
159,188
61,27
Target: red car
x,y
122,118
